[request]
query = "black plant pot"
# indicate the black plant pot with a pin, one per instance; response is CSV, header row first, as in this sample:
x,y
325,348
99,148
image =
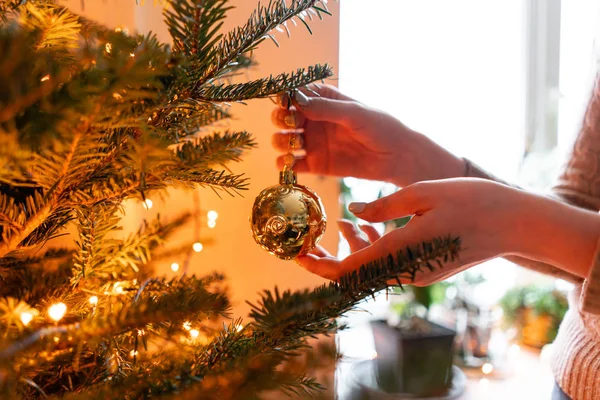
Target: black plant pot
x,y
414,362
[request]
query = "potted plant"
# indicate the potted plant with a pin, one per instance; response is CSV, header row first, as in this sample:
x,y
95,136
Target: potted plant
x,y
414,355
536,313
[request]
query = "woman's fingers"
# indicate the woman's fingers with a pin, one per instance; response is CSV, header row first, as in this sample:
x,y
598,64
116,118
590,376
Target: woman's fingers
x,y
372,233
412,200
281,141
325,267
300,165
326,91
315,90
287,119
352,235
321,251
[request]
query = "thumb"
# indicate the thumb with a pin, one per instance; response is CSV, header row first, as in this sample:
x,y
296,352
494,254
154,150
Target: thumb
x,y
404,202
343,112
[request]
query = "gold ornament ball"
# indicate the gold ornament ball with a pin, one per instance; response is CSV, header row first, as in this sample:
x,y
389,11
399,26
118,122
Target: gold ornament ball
x,y
288,220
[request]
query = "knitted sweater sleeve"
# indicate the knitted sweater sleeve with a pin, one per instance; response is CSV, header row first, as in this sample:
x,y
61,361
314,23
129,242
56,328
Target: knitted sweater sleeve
x,y
578,185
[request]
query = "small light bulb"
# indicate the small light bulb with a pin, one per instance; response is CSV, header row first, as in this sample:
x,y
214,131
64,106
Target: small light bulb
x,y
57,311
212,215
94,300
131,54
175,267
108,47
211,223
148,204
373,355
197,247
118,289
487,368
45,78
118,30
239,327
26,318
133,353
194,333
187,325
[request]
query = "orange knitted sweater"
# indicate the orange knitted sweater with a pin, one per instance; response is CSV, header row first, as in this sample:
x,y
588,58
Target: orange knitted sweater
x,y
576,361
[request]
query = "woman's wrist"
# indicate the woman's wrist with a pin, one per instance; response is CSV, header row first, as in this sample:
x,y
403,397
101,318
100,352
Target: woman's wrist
x,y
424,160
555,233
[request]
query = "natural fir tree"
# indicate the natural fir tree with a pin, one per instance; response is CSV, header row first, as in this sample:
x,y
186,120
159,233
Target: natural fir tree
x,y
91,117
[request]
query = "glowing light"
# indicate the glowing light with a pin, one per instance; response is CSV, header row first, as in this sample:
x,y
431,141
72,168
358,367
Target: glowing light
x,y
108,48
212,215
117,96
211,223
118,289
373,355
194,333
45,78
57,311
487,368
131,54
118,30
94,300
239,327
140,332
187,325
56,339
133,353
26,318
148,204
197,247
175,267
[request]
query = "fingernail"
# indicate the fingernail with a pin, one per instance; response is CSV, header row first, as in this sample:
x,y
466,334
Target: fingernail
x,y
290,120
301,99
356,208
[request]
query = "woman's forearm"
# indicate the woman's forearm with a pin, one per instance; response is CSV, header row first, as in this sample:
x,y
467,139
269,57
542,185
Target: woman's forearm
x,y
556,233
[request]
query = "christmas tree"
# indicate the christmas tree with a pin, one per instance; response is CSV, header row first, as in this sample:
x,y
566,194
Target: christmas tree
x,y
91,117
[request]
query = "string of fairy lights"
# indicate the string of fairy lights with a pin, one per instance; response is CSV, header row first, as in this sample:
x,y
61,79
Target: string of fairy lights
x,y
57,311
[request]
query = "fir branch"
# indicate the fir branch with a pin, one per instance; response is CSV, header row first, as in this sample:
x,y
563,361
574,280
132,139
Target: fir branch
x,y
246,38
314,311
172,301
33,278
23,83
219,180
188,117
216,149
98,257
194,25
94,223
54,26
261,88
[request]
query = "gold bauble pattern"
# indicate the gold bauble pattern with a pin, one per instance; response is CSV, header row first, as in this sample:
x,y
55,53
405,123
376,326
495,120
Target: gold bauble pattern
x,y
288,219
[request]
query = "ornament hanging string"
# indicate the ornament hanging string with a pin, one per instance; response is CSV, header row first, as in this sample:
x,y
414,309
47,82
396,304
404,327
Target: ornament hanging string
x,y
294,143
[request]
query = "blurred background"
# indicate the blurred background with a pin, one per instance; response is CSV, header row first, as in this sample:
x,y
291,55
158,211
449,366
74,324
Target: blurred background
x,y
504,83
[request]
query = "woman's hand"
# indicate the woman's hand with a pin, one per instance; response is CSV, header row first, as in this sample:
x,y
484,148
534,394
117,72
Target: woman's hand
x,y
485,215
491,220
345,138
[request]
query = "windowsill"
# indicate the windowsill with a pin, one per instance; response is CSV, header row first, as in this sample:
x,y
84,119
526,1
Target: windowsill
x,y
530,378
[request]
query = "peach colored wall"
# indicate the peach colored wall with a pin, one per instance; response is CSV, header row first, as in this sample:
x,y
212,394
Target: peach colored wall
x,y
234,252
